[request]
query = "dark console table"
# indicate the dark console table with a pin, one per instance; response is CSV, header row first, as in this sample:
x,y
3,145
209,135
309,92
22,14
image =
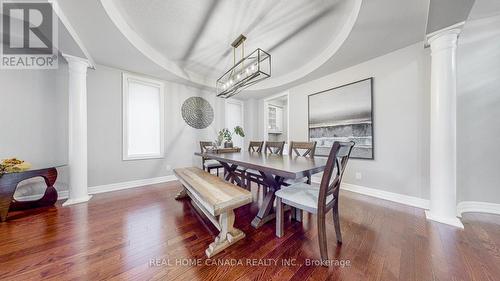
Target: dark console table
x,y
8,186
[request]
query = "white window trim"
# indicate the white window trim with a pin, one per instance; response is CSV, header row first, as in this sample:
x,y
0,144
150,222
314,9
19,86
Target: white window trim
x,y
126,78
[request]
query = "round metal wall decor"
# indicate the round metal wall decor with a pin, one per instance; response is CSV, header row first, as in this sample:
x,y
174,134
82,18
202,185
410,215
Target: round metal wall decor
x,y
197,112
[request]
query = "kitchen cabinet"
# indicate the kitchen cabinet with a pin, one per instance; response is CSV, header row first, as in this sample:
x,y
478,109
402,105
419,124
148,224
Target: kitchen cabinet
x,y
275,119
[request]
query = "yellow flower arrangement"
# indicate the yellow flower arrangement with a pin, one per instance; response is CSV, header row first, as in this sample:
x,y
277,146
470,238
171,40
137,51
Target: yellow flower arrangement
x,y
13,165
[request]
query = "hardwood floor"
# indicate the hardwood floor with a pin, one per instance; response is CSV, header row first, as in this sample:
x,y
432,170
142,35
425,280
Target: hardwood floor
x,y
134,234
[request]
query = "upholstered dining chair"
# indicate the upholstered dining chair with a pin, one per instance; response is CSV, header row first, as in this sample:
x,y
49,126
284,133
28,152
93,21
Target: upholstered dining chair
x,y
318,200
271,147
209,164
301,149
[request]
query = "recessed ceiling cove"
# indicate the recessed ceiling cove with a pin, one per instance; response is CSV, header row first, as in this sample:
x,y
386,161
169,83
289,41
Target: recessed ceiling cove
x,y
191,38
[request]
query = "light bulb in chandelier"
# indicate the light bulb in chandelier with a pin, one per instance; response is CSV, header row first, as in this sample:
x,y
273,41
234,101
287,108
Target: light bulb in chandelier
x,y
251,69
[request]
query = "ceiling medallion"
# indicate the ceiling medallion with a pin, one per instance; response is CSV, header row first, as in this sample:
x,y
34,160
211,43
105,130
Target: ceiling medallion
x,y
247,71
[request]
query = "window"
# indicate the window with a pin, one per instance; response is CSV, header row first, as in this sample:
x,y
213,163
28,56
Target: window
x,y
143,118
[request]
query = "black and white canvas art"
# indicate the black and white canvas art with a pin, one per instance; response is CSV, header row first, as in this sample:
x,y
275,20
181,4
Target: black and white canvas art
x,y
343,114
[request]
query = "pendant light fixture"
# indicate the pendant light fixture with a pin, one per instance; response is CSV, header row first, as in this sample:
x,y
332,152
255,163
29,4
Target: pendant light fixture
x,y
245,72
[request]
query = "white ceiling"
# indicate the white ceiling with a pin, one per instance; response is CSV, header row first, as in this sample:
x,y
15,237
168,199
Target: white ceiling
x,y
444,13
188,41
382,26
196,35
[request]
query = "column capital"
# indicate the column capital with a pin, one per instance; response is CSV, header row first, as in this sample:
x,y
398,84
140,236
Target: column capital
x,y
76,63
444,39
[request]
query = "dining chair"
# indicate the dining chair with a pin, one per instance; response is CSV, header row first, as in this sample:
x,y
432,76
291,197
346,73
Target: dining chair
x,y
209,164
271,147
253,146
318,200
274,147
301,149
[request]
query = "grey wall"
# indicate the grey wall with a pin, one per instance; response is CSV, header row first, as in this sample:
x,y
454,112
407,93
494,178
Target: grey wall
x,y
105,131
401,119
401,114
33,106
478,109
251,117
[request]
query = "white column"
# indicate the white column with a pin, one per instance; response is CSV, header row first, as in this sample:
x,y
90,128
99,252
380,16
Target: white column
x,y
443,199
77,156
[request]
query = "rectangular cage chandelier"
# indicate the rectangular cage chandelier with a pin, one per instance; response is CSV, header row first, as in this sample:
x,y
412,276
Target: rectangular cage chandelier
x,y
249,70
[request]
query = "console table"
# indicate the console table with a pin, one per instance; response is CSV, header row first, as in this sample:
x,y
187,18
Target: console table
x,y
8,186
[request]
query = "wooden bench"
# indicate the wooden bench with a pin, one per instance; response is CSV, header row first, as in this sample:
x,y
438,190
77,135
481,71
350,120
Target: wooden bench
x,y
216,199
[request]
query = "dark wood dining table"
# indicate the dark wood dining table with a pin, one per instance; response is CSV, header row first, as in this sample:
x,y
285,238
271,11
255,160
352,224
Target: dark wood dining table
x,y
274,169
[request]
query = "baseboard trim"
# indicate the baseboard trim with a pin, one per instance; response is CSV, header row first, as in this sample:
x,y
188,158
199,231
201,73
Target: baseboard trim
x,y
70,202
129,184
386,195
453,221
63,194
477,207
462,207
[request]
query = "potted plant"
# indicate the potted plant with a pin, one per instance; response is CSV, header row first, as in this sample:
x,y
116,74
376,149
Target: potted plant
x,y
226,136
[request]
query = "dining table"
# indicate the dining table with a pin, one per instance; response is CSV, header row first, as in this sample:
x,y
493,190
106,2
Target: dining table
x,y
274,169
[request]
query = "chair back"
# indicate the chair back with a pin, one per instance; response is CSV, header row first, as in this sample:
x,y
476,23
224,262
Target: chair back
x,y
255,146
332,175
302,148
204,147
274,147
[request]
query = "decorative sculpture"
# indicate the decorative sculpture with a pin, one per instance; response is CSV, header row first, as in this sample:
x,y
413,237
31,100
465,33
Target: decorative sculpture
x,y
197,112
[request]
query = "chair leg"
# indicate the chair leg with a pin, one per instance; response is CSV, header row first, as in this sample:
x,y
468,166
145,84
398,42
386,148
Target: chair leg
x,y
243,182
308,179
298,214
217,172
336,222
323,250
279,217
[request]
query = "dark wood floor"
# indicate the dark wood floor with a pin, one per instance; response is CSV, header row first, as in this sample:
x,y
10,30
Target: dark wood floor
x,y
117,235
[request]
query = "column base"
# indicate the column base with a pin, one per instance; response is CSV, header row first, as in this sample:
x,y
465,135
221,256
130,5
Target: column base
x,y
77,200
453,221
